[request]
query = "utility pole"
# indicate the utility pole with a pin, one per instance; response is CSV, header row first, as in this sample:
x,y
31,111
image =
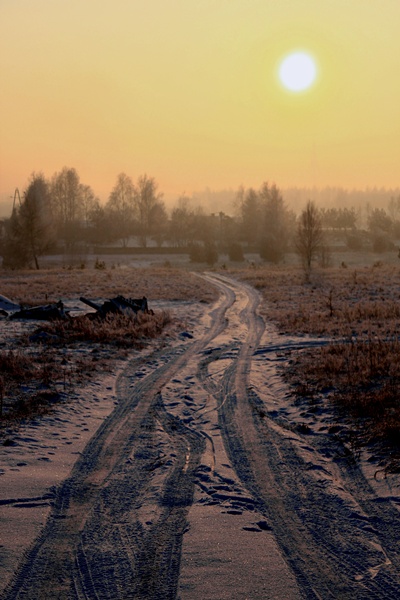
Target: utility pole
x,y
17,196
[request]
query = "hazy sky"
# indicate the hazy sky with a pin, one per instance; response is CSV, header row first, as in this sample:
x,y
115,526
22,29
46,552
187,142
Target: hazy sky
x,y
188,91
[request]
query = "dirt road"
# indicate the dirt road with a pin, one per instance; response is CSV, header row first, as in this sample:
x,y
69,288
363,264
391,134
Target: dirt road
x,y
194,488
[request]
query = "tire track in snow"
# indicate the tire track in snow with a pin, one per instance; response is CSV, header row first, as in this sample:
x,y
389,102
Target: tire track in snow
x,y
81,552
318,532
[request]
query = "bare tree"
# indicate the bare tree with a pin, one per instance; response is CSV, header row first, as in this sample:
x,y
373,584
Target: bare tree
x,y
147,199
309,235
159,223
89,203
67,204
121,207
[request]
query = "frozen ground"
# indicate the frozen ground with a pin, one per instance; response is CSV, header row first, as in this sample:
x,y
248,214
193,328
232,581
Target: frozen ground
x,y
190,472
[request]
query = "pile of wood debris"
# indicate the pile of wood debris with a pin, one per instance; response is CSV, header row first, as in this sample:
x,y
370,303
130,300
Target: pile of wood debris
x,y
56,310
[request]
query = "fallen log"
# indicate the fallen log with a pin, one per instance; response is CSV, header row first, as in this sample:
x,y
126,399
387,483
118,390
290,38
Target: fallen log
x,y
136,305
90,303
8,305
119,305
46,312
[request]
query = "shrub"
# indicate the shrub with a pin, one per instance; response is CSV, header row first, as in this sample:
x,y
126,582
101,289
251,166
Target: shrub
x,y
210,253
354,242
100,265
207,253
271,251
235,252
381,243
197,253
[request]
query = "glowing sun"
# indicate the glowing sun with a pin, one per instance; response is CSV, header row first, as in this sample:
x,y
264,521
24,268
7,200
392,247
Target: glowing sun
x,y
298,71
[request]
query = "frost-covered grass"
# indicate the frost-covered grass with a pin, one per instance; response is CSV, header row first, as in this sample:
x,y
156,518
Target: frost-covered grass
x,y
46,364
336,302
360,378
42,367
358,372
120,330
156,283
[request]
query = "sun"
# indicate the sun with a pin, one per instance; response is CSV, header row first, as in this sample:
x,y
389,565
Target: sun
x,y
298,71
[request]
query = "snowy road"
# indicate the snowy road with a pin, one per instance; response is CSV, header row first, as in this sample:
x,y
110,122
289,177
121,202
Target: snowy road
x,y
194,488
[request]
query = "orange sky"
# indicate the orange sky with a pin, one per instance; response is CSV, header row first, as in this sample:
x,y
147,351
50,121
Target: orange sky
x,y
187,91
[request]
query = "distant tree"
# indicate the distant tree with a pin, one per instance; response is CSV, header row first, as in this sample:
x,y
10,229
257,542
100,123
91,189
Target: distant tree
x,y
197,252
30,230
14,253
181,222
122,210
188,226
203,226
228,232
348,218
379,221
35,218
265,221
394,208
98,228
339,218
235,252
396,230
211,253
159,223
381,243
89,203
309,236
147,199
355,241
250,217
67,200
394,213
206,252
276,222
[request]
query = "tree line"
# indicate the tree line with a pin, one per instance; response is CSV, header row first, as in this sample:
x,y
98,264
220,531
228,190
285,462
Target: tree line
x,y
63,214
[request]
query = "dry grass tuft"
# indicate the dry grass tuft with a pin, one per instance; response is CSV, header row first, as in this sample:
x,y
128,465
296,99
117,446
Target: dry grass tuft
x,y
125,331
361,378
27,386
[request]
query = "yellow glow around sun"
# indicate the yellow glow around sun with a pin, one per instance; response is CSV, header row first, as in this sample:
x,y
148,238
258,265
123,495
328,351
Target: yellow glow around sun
x,y
297,71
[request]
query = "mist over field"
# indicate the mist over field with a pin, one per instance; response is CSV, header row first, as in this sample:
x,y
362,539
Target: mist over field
x,y
225,200
62,215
